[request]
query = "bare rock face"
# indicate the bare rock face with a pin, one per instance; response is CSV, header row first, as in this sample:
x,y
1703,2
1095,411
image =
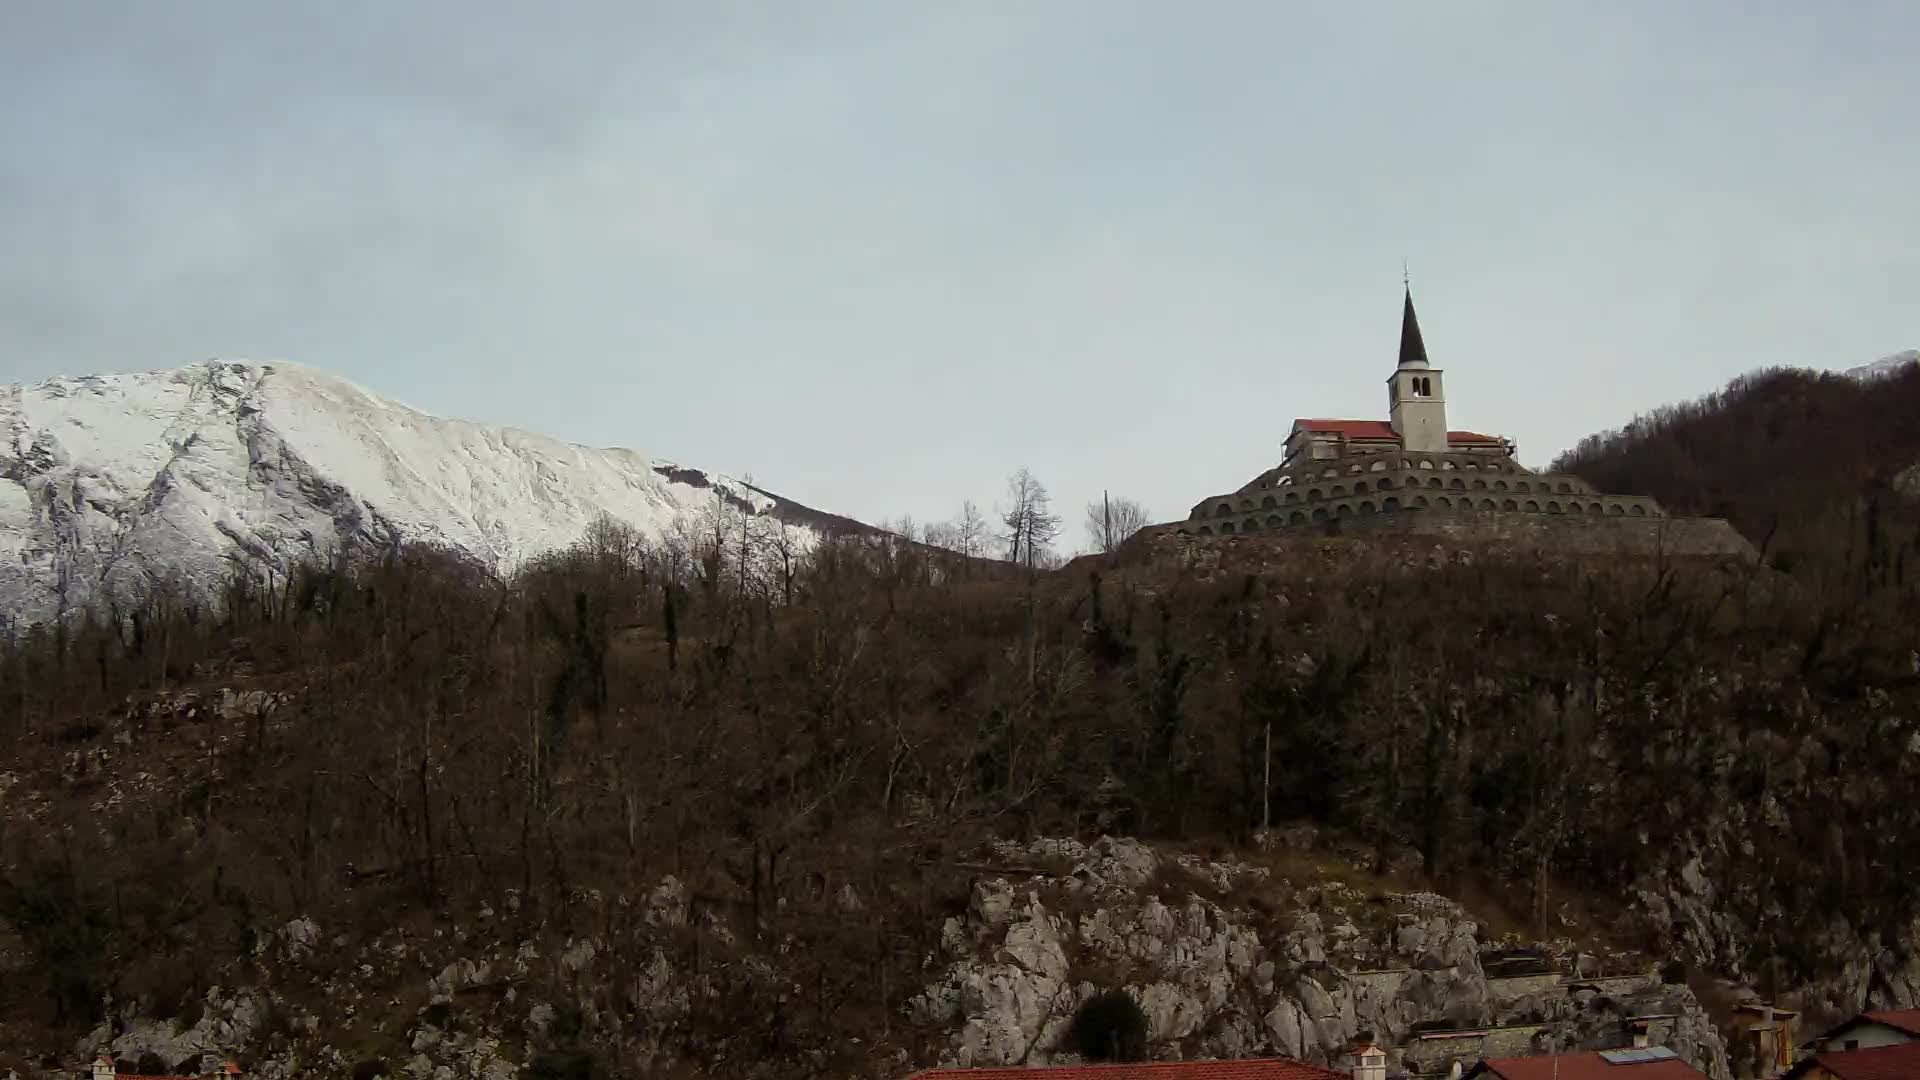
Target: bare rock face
x,y
1298,977
1701,904
229,1019
667,904
1009,989
1908,482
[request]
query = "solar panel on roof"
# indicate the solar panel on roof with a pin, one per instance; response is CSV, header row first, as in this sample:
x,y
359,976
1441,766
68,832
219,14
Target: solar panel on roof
x,y
1637,1055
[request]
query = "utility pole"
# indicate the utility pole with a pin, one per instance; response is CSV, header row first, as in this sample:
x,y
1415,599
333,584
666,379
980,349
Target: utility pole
x,y
1266,786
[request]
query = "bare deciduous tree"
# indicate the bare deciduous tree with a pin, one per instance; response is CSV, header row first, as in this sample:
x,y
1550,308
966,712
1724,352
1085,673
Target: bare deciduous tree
x,y
1112,520
970,531
1032,526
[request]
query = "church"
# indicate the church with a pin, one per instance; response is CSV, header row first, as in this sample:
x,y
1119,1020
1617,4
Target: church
x,y
1410,465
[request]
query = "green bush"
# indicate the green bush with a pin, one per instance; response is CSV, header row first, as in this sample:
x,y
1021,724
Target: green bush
x,y
1110,1027
151,1064
370,1070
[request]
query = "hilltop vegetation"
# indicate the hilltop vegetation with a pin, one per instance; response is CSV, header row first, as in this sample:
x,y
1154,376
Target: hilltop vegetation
x,y
1793,458
411,740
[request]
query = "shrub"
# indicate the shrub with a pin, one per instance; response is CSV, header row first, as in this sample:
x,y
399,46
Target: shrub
x,y
151,1064
1110,1027
566,1065
568,1022
369,1070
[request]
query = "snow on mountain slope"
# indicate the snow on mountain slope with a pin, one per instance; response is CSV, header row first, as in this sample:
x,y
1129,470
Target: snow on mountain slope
x,y
110,483
1886,365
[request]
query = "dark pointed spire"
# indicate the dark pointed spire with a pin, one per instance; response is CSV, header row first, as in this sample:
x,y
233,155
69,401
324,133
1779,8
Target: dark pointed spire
x,y
1413,351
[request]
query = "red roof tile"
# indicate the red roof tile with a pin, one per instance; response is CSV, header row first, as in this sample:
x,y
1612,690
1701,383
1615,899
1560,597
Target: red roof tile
x,y
1380,429
1352,429
1251,1069
1588,1066
1900,1062
1907,1020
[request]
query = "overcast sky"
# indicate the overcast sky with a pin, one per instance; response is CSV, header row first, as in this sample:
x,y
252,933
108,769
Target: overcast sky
x,y
879,255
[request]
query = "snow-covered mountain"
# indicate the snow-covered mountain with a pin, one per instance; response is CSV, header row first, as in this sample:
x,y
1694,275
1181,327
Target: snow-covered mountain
x,y
1886,365
110,483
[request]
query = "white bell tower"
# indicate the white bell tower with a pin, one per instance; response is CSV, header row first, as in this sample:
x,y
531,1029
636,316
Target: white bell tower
x,y
1416,398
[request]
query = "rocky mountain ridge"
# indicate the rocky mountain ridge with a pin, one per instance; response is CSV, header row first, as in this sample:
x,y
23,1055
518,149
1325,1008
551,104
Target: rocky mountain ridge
x,y
112,484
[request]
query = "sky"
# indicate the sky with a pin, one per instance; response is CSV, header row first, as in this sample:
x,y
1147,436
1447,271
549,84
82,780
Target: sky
x,y
876,256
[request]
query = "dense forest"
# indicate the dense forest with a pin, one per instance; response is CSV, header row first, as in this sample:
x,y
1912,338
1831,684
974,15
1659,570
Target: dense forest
x,y
408,736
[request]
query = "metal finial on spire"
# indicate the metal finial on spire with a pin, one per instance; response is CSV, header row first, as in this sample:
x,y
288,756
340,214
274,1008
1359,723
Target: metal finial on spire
x,y
1405,280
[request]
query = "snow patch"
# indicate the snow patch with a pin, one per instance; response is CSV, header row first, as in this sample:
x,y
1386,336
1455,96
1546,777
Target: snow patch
x,y
110,484
1885,366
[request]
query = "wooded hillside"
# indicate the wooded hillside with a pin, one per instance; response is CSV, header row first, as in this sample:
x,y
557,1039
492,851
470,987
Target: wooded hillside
x,y
412,738
1790,457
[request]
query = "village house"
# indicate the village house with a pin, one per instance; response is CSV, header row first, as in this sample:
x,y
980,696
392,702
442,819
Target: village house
x,y
1884,1027
1882,1044
1631,1063
103,1068
1900,1061
1762,1035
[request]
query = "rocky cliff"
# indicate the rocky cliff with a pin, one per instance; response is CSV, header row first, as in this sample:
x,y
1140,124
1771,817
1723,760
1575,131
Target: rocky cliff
x,y
1229,960
1226,957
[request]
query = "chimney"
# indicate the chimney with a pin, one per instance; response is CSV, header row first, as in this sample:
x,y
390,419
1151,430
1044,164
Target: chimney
x,y
1369,1061
1639,1030
103,1068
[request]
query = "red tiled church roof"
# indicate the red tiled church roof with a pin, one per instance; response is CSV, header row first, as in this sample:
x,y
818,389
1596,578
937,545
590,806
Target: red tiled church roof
x,y
1900,1062
1587,1066
1379,429
1252,1069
